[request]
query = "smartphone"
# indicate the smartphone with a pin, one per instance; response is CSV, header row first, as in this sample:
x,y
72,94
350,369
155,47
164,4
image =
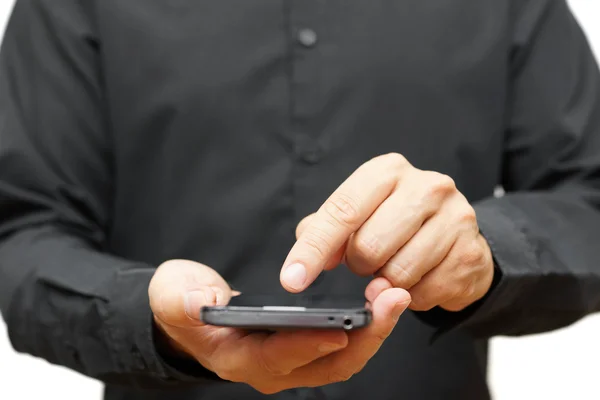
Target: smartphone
x,y
286,317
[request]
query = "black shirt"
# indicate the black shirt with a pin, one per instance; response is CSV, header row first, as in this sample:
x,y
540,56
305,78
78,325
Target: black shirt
x,y
133,132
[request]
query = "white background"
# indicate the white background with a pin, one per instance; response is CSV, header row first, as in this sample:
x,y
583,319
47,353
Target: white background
x,y
560,365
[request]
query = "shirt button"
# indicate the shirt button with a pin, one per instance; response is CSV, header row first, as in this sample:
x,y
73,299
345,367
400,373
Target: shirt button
x,y
312,156
307,37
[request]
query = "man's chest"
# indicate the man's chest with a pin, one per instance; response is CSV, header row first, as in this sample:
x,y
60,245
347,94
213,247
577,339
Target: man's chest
x,y
235,114
246,80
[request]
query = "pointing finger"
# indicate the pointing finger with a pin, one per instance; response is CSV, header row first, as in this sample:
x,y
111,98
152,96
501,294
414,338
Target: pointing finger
x,y
339,217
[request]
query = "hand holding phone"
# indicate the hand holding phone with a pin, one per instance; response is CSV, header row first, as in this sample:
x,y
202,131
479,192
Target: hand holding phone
x,y
270,362
286,317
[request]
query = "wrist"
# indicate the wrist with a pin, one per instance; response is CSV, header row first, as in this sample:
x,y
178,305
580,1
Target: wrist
x,y
177,360
166,345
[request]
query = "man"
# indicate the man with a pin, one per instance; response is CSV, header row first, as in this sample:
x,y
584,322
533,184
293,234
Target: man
x,y
195,136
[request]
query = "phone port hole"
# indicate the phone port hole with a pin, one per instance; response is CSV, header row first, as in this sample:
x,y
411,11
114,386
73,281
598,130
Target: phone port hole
x,y
347,323
331,320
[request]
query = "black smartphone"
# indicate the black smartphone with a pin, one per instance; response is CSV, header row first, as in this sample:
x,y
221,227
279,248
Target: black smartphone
x,y
286,317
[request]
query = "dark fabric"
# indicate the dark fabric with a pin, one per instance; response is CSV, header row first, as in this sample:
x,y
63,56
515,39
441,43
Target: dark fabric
x,y
133,132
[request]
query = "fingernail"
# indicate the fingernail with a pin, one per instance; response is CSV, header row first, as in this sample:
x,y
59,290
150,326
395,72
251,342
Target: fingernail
x,y
294,276
329,347
398,310
194,301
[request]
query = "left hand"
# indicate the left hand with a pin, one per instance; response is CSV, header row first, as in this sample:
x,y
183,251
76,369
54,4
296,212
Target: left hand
x,y
409,226
267,361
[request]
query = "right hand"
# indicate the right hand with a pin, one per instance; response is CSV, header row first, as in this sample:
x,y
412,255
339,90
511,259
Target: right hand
x,y
269,362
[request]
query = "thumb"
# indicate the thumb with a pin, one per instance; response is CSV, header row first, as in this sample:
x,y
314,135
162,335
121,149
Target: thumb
x,y
180,288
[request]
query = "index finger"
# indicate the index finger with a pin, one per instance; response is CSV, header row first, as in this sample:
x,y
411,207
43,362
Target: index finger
x,y
340,216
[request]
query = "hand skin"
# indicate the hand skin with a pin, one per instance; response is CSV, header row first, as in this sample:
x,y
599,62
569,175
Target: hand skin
x,y
269,362
394,221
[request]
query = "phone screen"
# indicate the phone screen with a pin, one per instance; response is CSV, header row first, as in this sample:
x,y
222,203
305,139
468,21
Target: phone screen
x,y
299,300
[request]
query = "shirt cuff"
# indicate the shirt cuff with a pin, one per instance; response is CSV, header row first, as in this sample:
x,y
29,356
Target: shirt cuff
x,y
133,339
514,260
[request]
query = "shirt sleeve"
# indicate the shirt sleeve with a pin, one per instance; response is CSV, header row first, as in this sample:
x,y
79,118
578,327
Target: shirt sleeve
x,y
64,297
543,232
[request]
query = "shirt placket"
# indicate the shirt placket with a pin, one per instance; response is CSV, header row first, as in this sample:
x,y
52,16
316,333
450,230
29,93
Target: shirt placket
x,y
305,78
304,32
305,99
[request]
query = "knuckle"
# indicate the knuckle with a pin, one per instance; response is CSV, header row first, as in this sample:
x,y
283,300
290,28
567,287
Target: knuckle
x,y
467,216
339,375
400,274
379,338
421,304
389,168
343,209
359,368
460,291
427,296
269,366
471,292
228,374
229,368
368,247
461,299
396,161
318,241
467,292
471,256
440,185
265,389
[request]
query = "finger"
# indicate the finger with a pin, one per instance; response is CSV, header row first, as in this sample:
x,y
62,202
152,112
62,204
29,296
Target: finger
x,y
340,216
180,288
262,356
337,257
375,288
418,197
423,252
386,310
476,266
436,287
362,346
453,283
303,224
286,351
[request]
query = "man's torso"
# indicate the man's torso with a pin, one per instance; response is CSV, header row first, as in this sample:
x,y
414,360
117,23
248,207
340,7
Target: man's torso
x,y
232,120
